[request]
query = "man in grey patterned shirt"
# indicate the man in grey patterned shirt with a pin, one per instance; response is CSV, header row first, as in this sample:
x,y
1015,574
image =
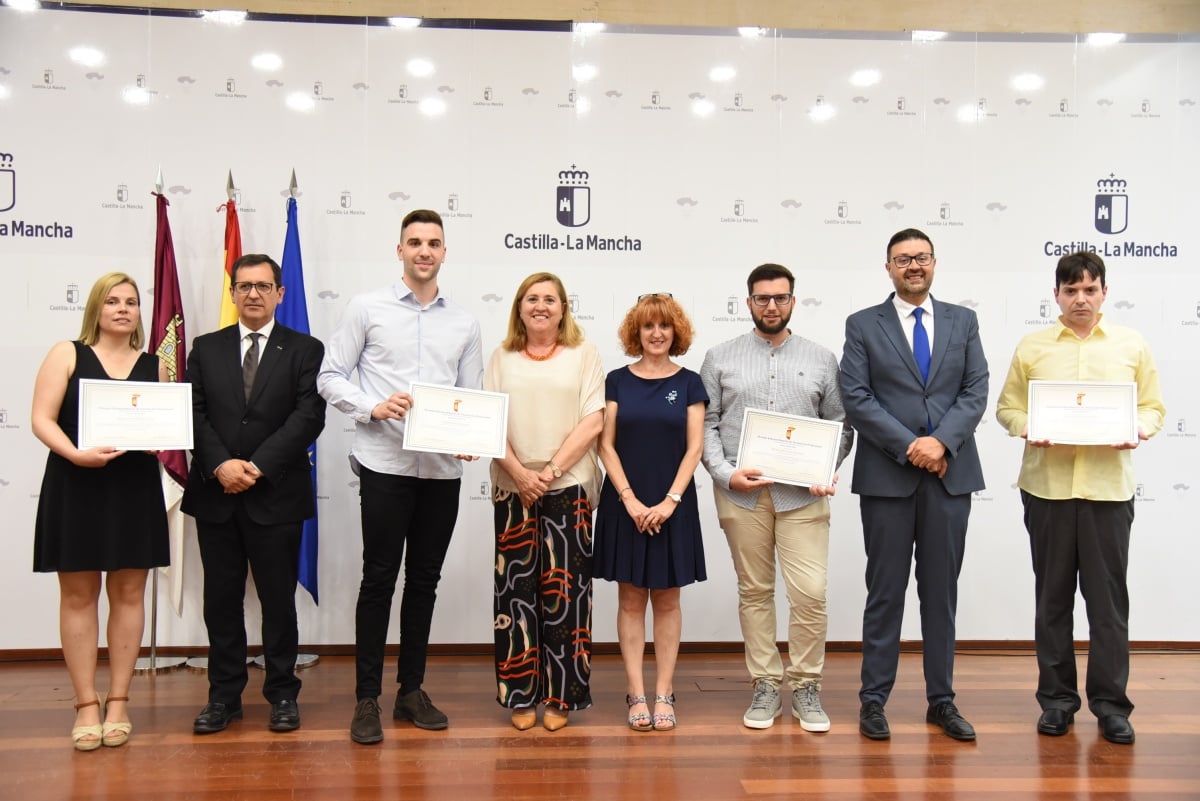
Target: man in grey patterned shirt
x,y
771,369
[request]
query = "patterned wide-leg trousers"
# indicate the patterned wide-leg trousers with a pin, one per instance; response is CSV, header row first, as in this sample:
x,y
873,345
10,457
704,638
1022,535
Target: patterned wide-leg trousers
x,y
543,612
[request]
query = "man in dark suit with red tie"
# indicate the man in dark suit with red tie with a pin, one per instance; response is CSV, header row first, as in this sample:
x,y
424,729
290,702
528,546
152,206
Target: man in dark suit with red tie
x,y
256,410
914,384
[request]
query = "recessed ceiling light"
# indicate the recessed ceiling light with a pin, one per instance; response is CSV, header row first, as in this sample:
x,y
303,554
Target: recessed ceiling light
x,y
224,17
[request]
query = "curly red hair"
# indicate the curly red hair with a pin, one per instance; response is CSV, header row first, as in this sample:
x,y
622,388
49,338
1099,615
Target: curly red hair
x,y
656,309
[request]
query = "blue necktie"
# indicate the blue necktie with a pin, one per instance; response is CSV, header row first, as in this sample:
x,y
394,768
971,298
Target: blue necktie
x,y
921,344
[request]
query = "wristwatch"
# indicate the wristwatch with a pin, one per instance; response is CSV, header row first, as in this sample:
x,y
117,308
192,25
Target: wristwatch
x,y
674,497
554,469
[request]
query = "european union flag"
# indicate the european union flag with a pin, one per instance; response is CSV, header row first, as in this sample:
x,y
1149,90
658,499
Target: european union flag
x,y
293,312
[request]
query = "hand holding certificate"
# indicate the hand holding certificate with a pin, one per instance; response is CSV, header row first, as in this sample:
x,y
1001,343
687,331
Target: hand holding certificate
x,y
1082,412
456,421
135,415
790,449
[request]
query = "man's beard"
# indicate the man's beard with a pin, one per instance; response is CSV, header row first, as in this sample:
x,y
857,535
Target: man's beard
x,y
771,329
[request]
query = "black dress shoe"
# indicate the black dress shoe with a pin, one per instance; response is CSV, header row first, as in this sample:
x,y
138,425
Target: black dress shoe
x,y
946,717
872,722
215,717
285,716
1116,729
1055,722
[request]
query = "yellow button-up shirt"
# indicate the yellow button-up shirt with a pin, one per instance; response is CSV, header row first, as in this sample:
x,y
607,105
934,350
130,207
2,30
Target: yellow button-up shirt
x,y
1110,353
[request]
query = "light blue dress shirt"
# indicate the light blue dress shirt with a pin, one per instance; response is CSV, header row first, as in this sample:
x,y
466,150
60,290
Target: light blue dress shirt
x,y
392,341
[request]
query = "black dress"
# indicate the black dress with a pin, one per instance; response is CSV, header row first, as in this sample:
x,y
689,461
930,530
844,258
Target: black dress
x,y
651,439
100,518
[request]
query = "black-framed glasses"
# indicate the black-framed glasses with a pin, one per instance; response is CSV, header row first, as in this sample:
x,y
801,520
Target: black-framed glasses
x,y
244,287
922,260
765,300
655,295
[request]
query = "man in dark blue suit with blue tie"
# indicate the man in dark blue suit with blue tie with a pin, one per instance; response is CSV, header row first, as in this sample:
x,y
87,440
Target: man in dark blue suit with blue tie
x,y
914,384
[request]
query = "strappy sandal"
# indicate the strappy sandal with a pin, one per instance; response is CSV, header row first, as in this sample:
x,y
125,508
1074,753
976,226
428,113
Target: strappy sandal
x,y
117,733
664,721
638,721
94,731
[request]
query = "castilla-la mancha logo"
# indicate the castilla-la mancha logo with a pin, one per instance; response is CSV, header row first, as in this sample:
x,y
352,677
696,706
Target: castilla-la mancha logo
x,y
574,198
8,182
1112,205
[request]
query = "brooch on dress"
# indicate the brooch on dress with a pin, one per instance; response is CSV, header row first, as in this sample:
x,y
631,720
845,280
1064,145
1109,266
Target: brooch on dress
x,y
672,396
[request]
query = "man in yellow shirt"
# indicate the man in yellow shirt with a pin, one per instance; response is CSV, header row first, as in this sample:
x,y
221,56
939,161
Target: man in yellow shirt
x,y
1079,501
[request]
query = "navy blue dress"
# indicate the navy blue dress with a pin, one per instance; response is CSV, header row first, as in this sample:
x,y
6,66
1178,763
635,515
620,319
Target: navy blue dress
x,y
651,439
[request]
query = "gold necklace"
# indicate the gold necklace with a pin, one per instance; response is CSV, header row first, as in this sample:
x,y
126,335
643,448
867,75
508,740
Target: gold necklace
x,y
553,348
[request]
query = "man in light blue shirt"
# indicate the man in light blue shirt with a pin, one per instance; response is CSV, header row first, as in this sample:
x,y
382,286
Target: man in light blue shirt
x,y
392,337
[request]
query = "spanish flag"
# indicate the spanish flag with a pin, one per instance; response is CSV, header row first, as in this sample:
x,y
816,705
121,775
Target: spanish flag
x,y
233,252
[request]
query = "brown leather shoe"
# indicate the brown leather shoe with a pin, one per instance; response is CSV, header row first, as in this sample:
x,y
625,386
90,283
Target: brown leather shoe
x,y
554,719
524,718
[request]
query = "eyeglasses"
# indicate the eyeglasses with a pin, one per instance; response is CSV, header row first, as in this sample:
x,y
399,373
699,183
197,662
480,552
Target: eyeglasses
x,y
654,295
922,259
244,287
765,300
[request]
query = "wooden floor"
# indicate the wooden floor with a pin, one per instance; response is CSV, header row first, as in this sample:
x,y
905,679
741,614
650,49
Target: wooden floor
x,y
711,756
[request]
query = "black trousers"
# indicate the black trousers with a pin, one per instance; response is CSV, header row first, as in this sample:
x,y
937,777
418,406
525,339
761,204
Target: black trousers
x,y
272,554
1087,542
400,511
930,525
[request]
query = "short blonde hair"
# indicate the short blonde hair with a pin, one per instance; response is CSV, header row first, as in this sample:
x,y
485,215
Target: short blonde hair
x,y
89,331
656,309
569,332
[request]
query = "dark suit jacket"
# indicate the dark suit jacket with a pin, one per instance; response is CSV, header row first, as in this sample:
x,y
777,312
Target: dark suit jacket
x,y
273,430
889,406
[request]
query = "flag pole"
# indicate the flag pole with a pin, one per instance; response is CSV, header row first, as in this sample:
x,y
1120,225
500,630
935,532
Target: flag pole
x,y
153,664
303,660
199,664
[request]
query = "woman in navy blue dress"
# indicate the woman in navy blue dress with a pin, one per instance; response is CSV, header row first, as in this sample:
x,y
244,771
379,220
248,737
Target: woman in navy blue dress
x,y
648,522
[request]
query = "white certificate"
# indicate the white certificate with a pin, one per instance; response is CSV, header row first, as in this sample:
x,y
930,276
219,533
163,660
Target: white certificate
x,y
788,448
135,415
454,420
1082,412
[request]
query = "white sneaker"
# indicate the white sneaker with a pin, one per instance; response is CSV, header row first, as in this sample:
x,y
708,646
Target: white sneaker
x,y
764,707
806,708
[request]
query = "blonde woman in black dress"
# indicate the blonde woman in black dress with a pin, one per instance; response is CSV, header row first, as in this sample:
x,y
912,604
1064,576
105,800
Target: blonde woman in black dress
x,y
101,520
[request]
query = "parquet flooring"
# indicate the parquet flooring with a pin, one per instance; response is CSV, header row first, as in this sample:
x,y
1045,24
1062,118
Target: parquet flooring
x,y
710,757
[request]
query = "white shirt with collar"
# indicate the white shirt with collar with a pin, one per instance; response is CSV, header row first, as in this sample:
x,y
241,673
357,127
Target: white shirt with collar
x,y
908,320
245,333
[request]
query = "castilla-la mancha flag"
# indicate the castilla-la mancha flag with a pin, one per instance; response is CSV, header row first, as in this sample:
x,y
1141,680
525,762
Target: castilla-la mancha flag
x,y
168,341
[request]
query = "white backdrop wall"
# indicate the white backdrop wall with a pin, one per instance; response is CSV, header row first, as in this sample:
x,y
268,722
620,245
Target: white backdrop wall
x,y
804,149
